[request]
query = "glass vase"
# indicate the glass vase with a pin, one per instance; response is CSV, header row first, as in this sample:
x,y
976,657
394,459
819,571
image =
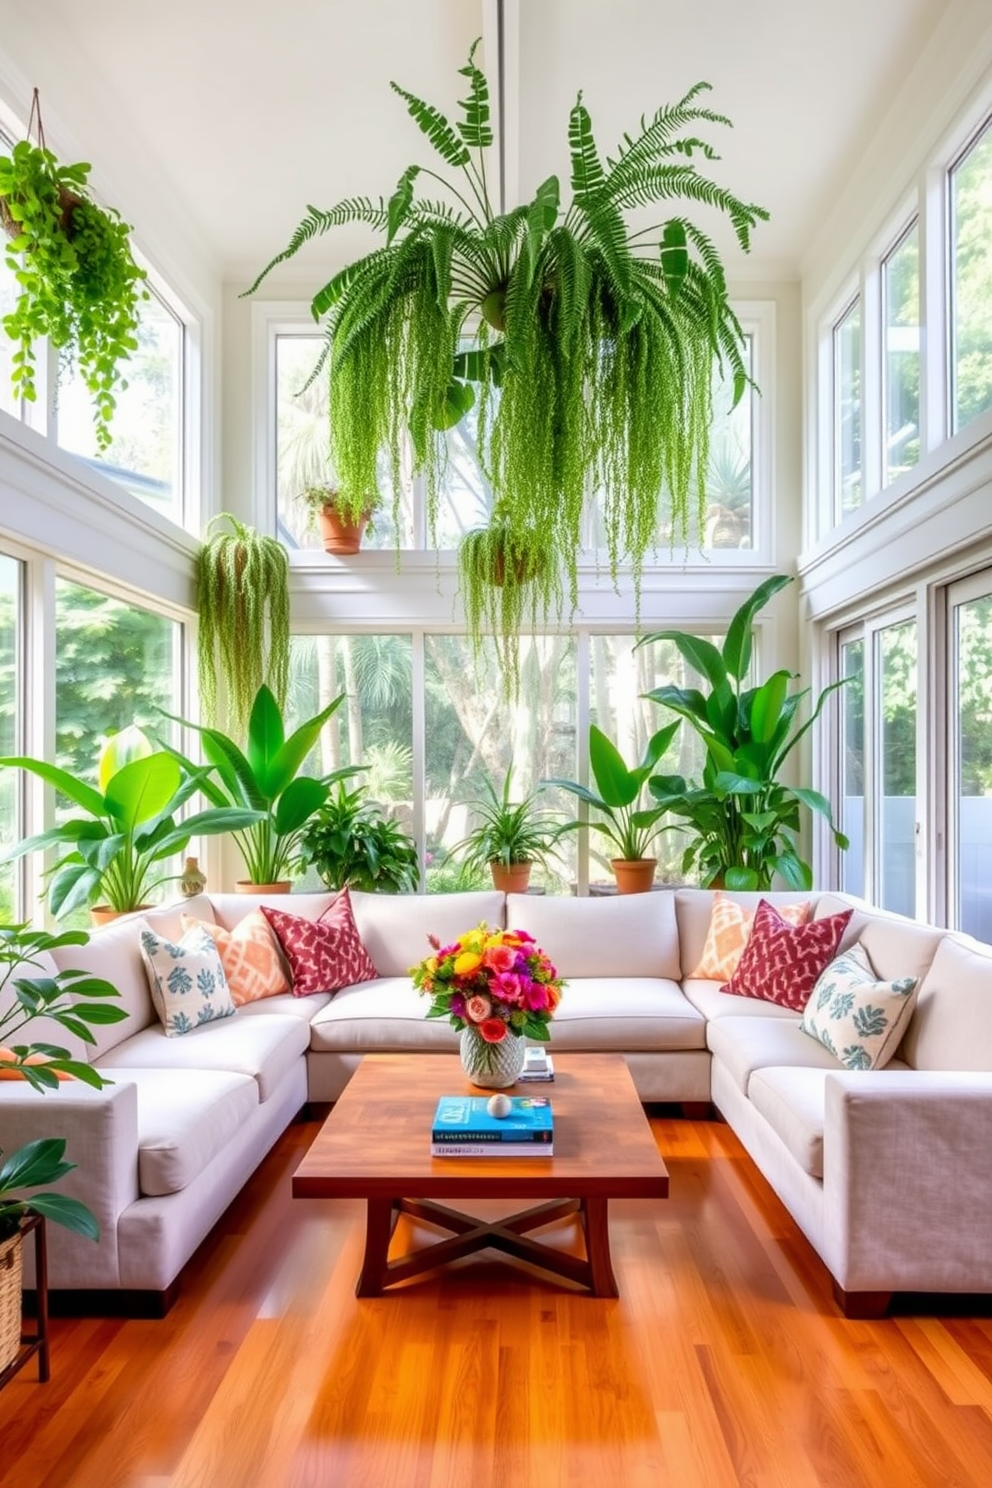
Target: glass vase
x,y
491,1066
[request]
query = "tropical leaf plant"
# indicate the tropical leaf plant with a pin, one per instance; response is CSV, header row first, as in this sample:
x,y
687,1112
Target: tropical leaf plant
x,y
624,820
584,349
744,822
114,851
507,832
353,843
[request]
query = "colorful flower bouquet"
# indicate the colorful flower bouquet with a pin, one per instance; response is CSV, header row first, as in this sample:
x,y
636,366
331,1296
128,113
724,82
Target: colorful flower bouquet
x,y
495,981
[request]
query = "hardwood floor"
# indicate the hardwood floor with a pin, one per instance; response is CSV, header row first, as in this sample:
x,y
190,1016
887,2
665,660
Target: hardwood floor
x,y
723,1364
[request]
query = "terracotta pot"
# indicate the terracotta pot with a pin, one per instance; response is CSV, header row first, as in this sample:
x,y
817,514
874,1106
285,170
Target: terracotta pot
x,y
511,878
340,536
244,886
634,877
102,914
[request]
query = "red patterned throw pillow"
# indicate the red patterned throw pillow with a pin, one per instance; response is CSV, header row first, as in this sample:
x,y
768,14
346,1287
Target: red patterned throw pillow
x,y
782,962
326,954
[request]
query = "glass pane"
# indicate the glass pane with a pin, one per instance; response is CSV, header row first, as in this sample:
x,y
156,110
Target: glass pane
x,y
10,780
147,450
373,727
847,411
852,823
473,735
973,714
303,450
8,296
619,676
901,279
897,845
971,282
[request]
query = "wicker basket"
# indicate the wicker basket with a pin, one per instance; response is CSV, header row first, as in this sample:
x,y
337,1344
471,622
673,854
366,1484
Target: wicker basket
x,y
11,1267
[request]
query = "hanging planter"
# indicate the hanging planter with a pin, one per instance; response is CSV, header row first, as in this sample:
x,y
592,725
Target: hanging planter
x,y
507,584
586,349
78,284
242,588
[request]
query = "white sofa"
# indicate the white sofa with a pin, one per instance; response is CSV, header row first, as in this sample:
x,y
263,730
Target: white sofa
x,y
889,1174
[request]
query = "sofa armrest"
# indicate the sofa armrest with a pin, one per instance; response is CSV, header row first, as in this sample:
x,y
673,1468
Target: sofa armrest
x,y
907,1181
101,1132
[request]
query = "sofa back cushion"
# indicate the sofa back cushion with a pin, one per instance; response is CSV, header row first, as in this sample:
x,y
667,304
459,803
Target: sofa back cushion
x,y
230,909
951,1027
114,952
694,909
41,1030
394,927
629,935
897,947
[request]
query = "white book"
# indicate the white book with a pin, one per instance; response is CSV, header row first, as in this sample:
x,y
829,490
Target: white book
x,y
492,1149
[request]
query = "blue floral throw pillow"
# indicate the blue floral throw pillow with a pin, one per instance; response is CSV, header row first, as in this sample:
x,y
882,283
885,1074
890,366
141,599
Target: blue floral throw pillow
x,y
858,1018
187,980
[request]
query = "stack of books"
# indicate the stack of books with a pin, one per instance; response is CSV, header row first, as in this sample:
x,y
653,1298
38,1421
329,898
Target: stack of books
x,y
463,1127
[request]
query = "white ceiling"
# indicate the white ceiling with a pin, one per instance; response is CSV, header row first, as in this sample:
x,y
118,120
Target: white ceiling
x,y
244,113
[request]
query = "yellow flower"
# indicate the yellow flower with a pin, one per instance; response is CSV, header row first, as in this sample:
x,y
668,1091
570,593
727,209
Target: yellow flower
x,y
466,963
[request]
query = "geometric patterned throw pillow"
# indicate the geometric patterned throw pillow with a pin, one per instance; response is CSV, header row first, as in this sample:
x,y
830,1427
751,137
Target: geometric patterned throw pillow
x,y
858,1018
326,954
187,981
782,962
729,933
250,953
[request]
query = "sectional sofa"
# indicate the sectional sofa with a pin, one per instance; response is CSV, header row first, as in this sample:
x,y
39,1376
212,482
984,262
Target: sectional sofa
x,y
888,1172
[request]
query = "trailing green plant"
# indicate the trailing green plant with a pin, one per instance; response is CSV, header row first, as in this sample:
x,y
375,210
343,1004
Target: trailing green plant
x,y
353,843
744,822
507,832
630,826
113,852
242,596
507,584
261,791
77,283
586,348
56,997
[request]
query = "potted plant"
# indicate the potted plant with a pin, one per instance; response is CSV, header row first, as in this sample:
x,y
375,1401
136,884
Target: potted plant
x,y
353,843
509,837
261,791
113,853
41,1162
466,305
629,826
242,598
507,582
744,822
342,522
77,283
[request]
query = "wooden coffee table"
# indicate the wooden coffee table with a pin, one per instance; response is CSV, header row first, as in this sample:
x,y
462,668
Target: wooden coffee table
x,y
375,1145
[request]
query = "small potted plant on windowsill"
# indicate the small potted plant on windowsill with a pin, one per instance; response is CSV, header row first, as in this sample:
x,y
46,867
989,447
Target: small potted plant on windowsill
x,y
509,837
342,522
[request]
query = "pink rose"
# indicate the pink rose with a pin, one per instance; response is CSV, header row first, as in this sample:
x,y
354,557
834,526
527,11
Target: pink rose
x,y
477,1010
499,958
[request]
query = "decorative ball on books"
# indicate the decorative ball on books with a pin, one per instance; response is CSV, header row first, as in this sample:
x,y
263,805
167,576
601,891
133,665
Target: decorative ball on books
x,y
499,1106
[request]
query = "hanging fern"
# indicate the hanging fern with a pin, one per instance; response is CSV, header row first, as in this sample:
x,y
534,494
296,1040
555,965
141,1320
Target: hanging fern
x,y
507,584
592,347
242,590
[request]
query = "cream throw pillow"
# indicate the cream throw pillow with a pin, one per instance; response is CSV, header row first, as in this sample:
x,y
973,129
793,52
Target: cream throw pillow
x,y
187,981
858,1018
729,933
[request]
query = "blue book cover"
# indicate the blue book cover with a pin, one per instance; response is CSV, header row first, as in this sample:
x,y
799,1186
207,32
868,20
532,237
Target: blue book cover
x,y
464,1118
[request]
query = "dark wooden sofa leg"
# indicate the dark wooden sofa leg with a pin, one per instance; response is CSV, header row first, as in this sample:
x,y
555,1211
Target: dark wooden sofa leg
x,y
862,1305
698,1110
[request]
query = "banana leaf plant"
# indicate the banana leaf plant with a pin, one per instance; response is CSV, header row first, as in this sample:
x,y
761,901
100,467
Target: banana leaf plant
x,y
743,820
261,789
630,826
468,308
129,828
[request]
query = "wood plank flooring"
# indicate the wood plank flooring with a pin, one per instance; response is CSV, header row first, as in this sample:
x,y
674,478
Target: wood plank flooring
x,y
723,1364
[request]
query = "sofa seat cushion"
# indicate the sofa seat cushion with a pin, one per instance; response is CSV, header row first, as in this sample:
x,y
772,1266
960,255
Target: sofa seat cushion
x,y
177,1138
629,935
626,1014
793,1102
711,1000
303,1008
264,1048
388,1015
951,1026
744,1045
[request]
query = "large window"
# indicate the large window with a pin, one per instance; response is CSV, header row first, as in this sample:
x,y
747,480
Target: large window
x,y
897,671
847,411
901,365
970,750
971,281
146,455
11,781
852,766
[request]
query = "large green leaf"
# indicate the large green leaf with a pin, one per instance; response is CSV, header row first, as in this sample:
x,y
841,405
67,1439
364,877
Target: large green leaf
x,y
738,640
266,736
617,785
77,790
143,789
766,706
73,887
69,1213
298,802
287,762
40,1161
